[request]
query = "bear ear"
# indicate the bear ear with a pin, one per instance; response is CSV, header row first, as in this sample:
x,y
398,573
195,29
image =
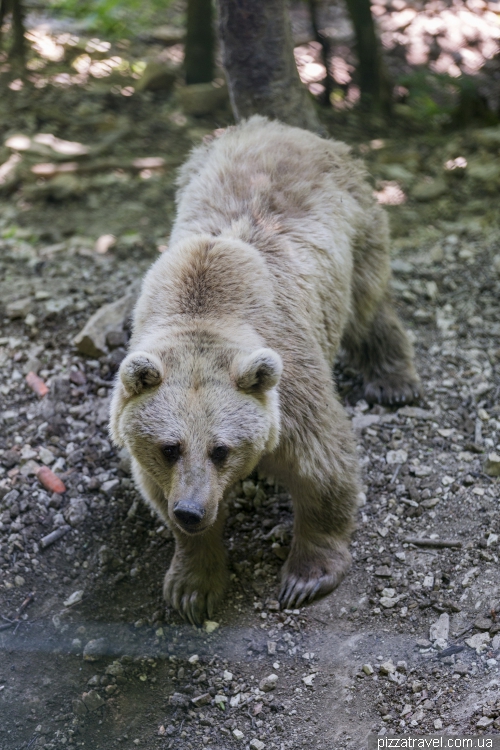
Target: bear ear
x,y
259,371
140,371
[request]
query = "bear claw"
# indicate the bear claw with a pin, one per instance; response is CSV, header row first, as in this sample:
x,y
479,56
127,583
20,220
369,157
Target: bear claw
x,y
314,582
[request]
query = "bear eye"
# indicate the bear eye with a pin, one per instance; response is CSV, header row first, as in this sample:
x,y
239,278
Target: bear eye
x,y
219,454
172,452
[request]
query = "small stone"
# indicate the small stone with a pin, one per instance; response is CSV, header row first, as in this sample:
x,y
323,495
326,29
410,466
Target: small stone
x,y
92,700
210,626
19,581
492,539
271,647
460,668
194,659
396,457
268,683
386,668
478,642
439,631
75,597
110,486
115,339
257,744
237,734
483,623
91,340
308,680
19,308
178,700
46,456
484,722
95,649
368,669
227,676
76,511
79,708
492,465
202,700
383,572
438,724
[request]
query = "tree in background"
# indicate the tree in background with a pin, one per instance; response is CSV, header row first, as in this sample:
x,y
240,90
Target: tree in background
x,y
257,54
200,42
17,50
375,88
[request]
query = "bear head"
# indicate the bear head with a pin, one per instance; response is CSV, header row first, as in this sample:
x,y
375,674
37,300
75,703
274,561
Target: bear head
x,y
196,418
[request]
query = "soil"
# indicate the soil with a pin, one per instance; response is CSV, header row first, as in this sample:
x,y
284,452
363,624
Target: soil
x,y
90,657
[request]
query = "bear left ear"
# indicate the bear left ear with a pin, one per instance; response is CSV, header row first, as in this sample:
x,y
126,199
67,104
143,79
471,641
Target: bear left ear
x,y
259,371
140,371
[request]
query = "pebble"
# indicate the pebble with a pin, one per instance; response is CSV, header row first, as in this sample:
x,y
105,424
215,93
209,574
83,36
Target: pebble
x,y
95,649
478,642
92,700
238,734
386,668
439,630
74,598
368,669
257,745
268,683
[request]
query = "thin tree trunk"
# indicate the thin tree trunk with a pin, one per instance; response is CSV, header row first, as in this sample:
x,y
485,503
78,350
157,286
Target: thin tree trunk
x,y
325,51
18,49
3,13
200,42
257,53
373,78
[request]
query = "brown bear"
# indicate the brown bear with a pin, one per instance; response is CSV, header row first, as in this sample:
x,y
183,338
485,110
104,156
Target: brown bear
x,y
278,257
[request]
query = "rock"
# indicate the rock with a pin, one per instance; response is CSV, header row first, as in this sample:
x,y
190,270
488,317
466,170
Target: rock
x,y
202,700
91,340
429,189
483,623
268,683
492,539
460,668
79,708
76,511
200,99
383,572
396,457
308,680
368,669
387,668
363,421
74,598
484,722
110,486
115,339
178,700
439,631
157,76
95,649
19,308
237,734
92,700
478,642
256,744
492,465
46,456
210,626
438,724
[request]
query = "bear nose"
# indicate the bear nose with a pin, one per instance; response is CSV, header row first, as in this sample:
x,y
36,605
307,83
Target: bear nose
x,y
188,513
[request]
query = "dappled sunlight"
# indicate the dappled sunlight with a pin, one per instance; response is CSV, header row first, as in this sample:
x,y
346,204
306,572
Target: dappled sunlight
x,y
390,194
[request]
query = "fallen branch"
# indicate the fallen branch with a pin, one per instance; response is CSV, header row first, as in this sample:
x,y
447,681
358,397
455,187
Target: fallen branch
x,y
438,543
17,620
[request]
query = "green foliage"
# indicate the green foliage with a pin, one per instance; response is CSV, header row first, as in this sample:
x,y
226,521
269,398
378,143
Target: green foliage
x,y
116,18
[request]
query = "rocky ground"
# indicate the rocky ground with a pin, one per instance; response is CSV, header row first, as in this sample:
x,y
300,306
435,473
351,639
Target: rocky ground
x,y
90,657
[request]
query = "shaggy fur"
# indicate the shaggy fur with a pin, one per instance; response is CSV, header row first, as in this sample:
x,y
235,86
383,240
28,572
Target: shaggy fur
x,y
278,256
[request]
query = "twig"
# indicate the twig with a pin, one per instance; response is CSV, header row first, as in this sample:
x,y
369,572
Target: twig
x,y
17,620
439,543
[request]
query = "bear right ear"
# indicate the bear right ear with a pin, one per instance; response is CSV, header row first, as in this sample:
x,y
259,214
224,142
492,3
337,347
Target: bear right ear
x,y
140,371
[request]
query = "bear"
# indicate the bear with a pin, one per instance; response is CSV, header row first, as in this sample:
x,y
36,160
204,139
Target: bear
x,y
278,259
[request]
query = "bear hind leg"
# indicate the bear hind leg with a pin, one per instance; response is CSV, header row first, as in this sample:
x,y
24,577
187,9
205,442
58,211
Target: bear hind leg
x,y
381,351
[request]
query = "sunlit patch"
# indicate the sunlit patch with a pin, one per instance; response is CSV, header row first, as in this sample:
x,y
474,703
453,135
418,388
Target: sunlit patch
x,y
307,58
97,45
16,85
8,167
18,142
377,144
149,162
127,91
173,54
341,70
145,174
60,146
459,163
44,44
390,194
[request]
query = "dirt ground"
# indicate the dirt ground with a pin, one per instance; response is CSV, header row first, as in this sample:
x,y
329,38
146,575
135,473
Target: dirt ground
x,y
410,641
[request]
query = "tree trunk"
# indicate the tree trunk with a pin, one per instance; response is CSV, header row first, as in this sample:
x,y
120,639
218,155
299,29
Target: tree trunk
x,y
3,12
328,81
200,42
257,53
373,78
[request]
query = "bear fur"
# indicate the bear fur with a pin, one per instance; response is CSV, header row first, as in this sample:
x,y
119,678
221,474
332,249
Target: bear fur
x,y
279,256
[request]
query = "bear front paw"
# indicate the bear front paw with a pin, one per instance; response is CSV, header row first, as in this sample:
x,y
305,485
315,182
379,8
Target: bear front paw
x,y
306,579
393,390
195,594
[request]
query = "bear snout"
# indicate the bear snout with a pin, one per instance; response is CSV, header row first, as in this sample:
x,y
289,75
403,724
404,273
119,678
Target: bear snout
x,y
189,514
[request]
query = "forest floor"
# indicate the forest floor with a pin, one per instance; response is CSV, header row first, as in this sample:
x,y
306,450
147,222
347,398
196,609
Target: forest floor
x,y
410,642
